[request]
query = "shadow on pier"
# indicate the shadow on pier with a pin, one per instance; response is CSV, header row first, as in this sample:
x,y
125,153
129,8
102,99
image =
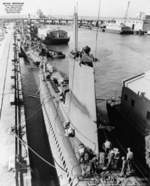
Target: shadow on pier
x,y
42,173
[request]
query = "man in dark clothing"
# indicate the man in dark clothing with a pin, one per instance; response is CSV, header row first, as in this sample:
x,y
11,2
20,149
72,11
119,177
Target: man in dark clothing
x,y
86,58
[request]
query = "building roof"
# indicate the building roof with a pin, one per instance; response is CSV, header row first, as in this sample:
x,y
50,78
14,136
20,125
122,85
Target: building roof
x,y
139,84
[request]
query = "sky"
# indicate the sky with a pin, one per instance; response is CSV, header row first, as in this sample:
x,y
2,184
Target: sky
x,y
112,8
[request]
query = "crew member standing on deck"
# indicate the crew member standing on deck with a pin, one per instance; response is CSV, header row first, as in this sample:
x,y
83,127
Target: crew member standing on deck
x,y
123,167
129,160
69,131
86,57
107,146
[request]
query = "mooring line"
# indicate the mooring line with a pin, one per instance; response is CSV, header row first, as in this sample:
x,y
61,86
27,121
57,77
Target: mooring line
x,y
3,90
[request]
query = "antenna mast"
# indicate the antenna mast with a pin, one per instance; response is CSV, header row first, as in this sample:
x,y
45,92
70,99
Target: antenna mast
x,y
97,23
126,12
76,26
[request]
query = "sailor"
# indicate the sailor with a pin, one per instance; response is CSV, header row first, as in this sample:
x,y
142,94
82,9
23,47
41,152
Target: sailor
x,y
123,167
63,88
116,158
129,160
107,146
86,157
102,159
61,95
87,160
76,54
94,164
69,131
86,57
66,126
47,76
50,68
86,165
91,153
55,81
81,152
110,159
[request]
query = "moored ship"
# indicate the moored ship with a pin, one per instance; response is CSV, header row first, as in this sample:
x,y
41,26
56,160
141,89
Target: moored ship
x,y
118,28
131,117
56,37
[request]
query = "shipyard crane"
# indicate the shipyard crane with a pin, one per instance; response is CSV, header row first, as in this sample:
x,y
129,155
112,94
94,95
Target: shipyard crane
x,y
126,12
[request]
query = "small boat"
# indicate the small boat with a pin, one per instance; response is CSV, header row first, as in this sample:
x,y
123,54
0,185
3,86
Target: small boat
x,y
118,28
56,37
55,54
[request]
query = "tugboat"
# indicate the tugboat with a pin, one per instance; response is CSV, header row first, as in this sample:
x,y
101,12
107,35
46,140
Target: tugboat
x,y
56,37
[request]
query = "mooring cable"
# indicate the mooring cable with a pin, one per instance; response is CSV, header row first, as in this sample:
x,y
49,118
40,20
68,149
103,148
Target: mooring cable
x,y
38,155
5,77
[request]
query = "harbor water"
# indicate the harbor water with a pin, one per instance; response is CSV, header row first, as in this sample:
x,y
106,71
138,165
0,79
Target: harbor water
x,y
119,57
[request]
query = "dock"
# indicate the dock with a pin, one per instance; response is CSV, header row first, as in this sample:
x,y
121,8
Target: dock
x,y
140,25
14,159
